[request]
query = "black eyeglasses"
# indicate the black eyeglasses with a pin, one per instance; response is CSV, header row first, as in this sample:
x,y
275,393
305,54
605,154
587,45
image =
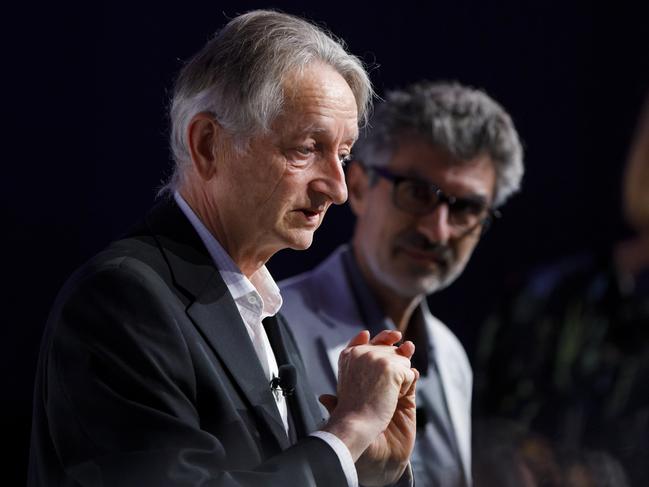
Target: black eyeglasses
x,y
419,197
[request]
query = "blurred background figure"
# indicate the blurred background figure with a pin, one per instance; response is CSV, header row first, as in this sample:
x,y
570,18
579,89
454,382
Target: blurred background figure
x,y
507,454
568,355
588,468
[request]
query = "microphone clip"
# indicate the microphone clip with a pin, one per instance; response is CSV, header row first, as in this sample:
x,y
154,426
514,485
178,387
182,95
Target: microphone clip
x,y
286,380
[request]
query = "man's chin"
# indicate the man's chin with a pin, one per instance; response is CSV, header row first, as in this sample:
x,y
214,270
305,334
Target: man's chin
x,y
441,281
421,288
300,240
413,286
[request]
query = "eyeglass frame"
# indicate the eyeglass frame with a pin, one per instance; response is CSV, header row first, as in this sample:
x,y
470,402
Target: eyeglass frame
x,y
485,222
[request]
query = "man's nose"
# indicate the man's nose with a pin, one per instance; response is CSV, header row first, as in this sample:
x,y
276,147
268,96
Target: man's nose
x,y
330,180
435,225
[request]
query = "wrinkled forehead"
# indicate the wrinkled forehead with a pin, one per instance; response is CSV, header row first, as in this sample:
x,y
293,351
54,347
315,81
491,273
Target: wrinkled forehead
x,y
318,102
315,80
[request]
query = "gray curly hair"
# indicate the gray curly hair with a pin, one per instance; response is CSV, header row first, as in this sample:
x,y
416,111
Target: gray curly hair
x,y
463,120
238,77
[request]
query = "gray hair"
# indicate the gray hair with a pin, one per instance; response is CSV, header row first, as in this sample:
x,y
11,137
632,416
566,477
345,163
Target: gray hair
x,y
462,120
238,77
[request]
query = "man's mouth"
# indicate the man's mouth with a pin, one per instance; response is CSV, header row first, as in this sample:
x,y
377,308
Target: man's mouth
x,y
426,256
422,250
311,215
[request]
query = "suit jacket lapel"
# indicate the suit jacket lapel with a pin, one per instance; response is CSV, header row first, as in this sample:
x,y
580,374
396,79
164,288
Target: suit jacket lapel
x,y
455,398
302,406
335,306
214,312
333,353
217,316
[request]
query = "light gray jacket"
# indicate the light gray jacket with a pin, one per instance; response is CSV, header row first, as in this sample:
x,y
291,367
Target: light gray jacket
x,y
322,311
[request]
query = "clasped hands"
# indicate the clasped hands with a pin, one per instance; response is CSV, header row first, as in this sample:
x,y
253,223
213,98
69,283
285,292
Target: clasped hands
x,y
373,412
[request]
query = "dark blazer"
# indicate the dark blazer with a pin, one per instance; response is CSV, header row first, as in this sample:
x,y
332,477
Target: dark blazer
x,y
147,377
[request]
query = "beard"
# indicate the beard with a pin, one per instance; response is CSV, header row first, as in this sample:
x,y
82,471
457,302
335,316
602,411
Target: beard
x,y
422,279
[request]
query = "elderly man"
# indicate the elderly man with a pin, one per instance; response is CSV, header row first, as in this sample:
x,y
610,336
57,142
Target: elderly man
x,y
437,162
163,362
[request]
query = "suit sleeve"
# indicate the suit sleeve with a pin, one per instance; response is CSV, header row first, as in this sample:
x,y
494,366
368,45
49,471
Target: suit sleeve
x,y
120,396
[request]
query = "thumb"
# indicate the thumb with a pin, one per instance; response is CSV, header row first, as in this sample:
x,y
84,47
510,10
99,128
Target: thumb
x,y
329,401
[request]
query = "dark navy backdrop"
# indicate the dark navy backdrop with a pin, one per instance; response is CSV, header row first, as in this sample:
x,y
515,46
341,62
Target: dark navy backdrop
x,y
84,105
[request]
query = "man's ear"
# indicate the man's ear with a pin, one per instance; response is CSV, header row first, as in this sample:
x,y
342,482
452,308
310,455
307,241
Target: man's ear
x,y
203,135
358,187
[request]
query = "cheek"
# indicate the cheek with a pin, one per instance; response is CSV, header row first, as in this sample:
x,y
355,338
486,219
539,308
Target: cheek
x,y
386,229
270,188
263,170
289,193
464,249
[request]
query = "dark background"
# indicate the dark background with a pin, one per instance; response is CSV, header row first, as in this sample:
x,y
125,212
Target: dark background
x,y
84,108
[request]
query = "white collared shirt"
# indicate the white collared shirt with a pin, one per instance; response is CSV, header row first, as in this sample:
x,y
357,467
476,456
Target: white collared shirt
x,y
256,298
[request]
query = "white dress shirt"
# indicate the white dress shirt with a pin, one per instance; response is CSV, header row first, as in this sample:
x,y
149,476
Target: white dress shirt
x,y
256,298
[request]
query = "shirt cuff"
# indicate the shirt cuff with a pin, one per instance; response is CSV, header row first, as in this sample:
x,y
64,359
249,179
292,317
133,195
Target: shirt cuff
x,y
344,456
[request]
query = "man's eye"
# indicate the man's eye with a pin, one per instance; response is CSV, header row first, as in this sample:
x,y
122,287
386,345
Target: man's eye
x,y
305,151
419,192
344,159
467,207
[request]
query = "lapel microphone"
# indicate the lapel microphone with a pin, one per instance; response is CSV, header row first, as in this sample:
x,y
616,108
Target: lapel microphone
x,y
285,381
